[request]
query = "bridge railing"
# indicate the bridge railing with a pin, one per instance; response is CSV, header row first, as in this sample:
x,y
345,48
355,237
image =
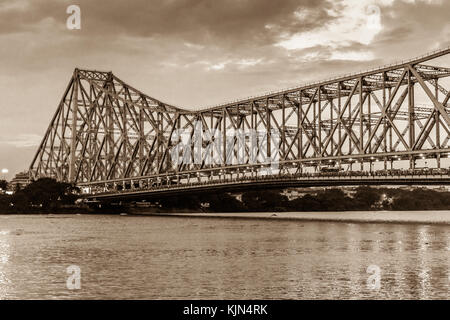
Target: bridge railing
x,y
141,185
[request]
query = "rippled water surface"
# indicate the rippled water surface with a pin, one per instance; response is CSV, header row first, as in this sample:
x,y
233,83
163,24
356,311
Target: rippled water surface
x,y
138,257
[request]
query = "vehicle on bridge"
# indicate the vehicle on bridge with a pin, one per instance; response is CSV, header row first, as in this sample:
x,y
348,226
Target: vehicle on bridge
x,y
330,169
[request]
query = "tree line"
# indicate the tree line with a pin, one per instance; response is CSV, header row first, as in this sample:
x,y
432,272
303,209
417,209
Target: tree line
x,y
43,195
50,196
335,199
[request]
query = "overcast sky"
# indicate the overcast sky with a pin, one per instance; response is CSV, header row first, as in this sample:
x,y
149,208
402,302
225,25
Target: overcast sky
x,y
195,53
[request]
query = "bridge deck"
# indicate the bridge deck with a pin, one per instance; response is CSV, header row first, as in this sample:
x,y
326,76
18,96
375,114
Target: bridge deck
x,y
267,182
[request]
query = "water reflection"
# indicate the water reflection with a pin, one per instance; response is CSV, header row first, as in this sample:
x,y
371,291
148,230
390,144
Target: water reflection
x,y
178,258
423,240
5,248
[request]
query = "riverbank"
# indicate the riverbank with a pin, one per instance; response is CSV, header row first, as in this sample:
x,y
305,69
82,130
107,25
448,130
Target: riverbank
x,y
417,217
401,217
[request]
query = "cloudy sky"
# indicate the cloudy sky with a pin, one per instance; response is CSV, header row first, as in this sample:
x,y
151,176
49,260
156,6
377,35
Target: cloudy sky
x,y
195,53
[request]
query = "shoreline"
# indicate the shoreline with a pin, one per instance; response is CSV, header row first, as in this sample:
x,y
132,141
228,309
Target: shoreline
x,y
430,217
391,217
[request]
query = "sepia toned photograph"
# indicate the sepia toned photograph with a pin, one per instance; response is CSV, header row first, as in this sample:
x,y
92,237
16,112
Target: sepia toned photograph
x,y
201,152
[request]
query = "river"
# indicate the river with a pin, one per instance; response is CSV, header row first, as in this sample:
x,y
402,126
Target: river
x,y
151,257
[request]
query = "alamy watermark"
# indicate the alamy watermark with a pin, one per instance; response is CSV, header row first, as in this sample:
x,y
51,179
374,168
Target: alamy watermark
x,y
74,20
373,17
374,280
236,147
73,282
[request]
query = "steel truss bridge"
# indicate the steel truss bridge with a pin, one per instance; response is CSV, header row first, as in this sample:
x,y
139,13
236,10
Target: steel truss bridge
x,y
113,140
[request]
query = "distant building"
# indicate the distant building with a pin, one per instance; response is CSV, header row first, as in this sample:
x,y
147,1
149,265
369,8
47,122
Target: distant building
x,y
441,188
295,193
20,181
205,205
349,192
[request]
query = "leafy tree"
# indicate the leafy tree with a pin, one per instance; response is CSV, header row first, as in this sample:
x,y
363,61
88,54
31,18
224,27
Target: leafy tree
x,y
4,203
17,188
46,193
3,184
225,202
367,196
306,203
264,200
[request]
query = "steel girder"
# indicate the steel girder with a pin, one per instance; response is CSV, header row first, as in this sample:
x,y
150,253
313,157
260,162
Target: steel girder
x,y
105,130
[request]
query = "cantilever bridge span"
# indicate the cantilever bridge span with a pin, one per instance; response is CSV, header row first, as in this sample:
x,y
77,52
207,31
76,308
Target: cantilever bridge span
x,y
390,124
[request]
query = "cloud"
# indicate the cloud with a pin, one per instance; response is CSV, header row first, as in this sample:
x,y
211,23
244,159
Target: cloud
x,y
194,53
218,66
22,140
352,55
412,28
220,23
238,63
355,21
